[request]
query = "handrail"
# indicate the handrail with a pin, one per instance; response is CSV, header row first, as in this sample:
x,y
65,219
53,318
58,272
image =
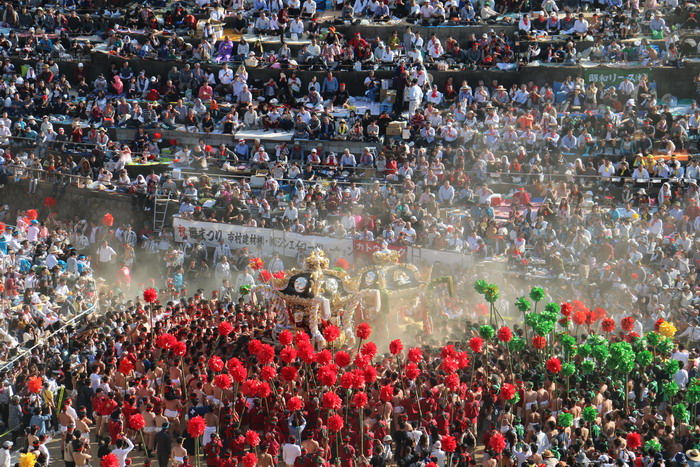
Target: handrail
x,y
41,341
546,176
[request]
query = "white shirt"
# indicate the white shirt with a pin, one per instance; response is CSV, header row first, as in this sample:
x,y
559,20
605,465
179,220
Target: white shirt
x,y
681,378
122,453
290,452
106,254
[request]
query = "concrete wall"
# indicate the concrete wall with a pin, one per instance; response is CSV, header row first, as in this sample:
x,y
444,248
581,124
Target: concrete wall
x,y
76,202
665,77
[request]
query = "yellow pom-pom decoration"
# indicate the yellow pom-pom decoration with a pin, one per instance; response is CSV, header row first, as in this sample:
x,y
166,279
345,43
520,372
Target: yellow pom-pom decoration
x,y
27,460
667,329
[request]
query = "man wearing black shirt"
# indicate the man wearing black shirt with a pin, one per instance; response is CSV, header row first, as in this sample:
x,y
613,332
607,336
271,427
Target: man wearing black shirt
x,y
342,97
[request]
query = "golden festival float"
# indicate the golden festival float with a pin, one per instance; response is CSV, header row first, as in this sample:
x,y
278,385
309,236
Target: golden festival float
x,y
386,294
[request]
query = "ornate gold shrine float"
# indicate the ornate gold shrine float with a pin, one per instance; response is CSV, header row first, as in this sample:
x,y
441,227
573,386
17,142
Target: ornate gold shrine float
x,y
385,294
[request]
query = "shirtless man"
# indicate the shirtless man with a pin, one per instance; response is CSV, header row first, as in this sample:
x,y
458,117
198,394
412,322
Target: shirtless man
x,y
212,422
543,397
83,424
65,421
172,410
149,430
311,445
81,457
530,399
265,459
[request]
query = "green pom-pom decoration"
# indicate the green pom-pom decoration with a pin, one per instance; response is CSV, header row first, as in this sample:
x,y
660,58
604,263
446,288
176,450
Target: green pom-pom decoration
x,y
531,319
644,358
543,327
639,344
680,411
669,390
567,341
568,369
491,294
565,419
244,290
516,344
583,350
487,332
596,339
653,338
621,357
589,414
652,445
600,352
523,304
672,366
537,294
515,399
665,345
693,394
480,286
552,307
587,367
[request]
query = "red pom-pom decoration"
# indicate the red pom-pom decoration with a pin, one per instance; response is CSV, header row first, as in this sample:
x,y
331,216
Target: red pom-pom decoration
x,y
449,443
607,325
335,423
225,328
634,441
150,295
539,342
497,443
165,341
331,401
505,334
553,365
250,460
179,348
360,400
395,347
137,422
196,426
222,381
295,403
285,337
125,366
507,392
415,355
110,460
252,438
386,393
331,332
627,323
363,331
476,344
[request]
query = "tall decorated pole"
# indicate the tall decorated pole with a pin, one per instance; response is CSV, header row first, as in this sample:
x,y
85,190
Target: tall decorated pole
x,y
195,428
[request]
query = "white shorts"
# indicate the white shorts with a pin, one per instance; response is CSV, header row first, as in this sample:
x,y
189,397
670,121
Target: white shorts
x,y
171,413
208,431
63,429
149,429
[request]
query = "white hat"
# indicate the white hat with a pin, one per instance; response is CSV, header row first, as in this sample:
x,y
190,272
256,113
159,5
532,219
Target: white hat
x,y
80,65
7,444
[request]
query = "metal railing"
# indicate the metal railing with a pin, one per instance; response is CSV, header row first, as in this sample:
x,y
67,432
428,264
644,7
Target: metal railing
x,y
42,341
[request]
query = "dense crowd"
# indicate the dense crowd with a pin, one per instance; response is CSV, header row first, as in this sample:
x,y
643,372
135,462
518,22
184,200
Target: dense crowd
x,y
574,376
122,347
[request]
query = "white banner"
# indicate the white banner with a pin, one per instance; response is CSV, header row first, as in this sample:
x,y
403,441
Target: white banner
x,y
259,241
268,241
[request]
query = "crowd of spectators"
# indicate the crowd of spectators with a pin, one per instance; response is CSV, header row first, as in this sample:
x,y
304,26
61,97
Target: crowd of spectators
x,y
588,185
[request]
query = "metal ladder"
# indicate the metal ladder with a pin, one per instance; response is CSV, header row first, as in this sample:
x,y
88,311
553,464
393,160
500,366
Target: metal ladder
x,y
160,210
